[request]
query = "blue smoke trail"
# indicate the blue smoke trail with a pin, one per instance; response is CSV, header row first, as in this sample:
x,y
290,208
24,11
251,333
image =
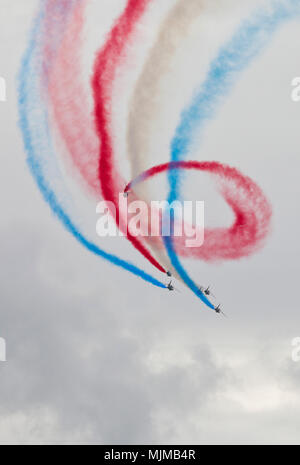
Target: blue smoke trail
x,y
252,36
38,145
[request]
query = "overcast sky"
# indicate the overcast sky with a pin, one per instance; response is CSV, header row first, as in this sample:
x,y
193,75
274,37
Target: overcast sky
x,y
97,356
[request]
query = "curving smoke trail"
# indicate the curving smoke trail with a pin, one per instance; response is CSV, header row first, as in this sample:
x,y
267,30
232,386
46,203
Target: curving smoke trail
x,y
106,64
34,124
247,42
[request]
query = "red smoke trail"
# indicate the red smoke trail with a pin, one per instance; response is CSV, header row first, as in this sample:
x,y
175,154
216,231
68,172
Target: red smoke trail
x,y
106,64
251,209
70,103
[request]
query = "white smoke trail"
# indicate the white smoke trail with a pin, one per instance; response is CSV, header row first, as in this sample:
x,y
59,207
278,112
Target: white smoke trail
x,y
145,104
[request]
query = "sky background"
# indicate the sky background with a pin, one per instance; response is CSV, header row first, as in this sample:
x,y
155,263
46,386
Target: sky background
x,y
97,356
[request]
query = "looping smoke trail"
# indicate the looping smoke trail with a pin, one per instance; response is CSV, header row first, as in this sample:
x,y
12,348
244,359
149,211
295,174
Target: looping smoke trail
x,y
34,124
248,203
250,206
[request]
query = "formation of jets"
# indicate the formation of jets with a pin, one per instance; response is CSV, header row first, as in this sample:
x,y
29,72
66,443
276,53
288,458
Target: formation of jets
x,y
170,286
205,291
